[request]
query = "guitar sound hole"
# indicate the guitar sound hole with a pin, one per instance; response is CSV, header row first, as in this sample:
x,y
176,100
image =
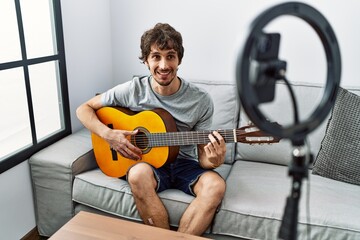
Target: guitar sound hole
x,y
141,140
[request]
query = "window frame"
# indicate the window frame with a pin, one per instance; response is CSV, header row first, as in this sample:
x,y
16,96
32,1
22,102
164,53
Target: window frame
x,y
59,56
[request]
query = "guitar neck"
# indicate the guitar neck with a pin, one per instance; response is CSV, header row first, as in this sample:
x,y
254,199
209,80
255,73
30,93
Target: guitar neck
x,y
189,138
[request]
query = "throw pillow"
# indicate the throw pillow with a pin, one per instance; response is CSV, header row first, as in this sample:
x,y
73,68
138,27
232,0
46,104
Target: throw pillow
x,y
339,154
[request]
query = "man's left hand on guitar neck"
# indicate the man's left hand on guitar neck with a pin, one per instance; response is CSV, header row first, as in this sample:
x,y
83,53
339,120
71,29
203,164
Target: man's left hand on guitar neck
x,y
212,155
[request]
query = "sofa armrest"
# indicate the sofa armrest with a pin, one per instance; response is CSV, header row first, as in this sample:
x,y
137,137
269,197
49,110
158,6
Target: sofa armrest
x,y
52,171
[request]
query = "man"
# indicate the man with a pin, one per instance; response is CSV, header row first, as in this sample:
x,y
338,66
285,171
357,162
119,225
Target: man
x,y
192,109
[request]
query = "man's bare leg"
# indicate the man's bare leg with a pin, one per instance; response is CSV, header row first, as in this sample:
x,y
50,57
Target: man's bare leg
x,y
151,209
209,191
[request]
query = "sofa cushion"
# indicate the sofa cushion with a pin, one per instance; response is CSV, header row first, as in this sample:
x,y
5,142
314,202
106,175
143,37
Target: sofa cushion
x,y
226,109
112,195
339,155
255,200
281,111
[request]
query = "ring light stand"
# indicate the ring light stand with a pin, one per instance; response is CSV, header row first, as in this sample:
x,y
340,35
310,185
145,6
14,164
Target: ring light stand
x,y
258,86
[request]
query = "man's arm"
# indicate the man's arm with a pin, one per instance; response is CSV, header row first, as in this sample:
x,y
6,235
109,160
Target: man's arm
x,y
87,116
86,113
212,155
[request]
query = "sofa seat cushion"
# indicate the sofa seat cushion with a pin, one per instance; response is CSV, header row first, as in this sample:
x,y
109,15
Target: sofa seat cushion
x,y
112,195
95,189
255,200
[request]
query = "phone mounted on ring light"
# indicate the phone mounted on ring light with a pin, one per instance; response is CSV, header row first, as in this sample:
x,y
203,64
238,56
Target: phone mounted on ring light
x,y
266,68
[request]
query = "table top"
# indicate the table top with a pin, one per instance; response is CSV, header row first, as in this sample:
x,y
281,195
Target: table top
x,y
87,226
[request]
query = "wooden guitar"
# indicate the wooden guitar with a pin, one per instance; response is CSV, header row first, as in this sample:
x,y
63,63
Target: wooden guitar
x,y
157,138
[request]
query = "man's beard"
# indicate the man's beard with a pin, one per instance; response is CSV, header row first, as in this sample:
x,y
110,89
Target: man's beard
x,y
167,83
164,84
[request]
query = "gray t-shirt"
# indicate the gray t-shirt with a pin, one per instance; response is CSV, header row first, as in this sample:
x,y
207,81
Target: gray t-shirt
x,y
191,107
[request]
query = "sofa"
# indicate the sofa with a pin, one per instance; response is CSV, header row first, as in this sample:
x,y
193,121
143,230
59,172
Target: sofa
x,y
66,178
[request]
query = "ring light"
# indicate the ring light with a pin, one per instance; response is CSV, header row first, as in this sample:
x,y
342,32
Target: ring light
x,y
249,89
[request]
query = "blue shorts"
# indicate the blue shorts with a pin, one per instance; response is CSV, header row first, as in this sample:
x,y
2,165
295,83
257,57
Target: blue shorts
x,y
181,174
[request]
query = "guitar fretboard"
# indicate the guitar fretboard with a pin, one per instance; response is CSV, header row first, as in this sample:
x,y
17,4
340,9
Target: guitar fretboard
x,y
187,138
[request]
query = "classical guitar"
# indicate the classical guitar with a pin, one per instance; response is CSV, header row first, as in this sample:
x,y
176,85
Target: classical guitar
x,y
157,138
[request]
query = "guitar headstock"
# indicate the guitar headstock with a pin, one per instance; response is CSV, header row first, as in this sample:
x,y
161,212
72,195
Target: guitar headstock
x,y
253,135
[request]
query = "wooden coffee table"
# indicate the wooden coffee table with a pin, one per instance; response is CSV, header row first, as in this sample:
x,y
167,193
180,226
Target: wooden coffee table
x,y
87,226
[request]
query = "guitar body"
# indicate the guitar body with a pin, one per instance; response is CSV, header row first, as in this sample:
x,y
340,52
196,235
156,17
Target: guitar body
x,y
155,121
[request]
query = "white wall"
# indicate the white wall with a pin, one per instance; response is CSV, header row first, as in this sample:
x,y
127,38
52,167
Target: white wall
x,y
213,29
16,203
88,50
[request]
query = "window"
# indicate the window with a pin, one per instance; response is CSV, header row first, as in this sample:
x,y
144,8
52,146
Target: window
x,y
34,99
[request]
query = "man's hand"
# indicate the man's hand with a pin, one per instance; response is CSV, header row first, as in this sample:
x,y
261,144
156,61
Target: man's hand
x,y
118,140
212,154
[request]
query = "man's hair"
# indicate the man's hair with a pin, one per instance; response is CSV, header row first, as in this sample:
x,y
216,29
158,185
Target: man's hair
x,y
163,36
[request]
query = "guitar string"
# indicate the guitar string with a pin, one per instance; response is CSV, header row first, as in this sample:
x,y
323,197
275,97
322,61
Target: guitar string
x,y
181,135
154,139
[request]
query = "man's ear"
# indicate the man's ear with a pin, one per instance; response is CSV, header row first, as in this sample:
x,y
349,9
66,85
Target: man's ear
x,y
147,64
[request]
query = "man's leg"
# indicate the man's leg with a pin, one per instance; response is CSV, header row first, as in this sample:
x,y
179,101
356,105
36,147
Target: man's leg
x,y
143,184
209,190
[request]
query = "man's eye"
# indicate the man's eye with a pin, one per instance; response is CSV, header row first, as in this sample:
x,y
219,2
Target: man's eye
x,y
155,57
171,57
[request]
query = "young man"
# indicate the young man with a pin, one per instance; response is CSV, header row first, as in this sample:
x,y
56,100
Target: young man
x,y
192,109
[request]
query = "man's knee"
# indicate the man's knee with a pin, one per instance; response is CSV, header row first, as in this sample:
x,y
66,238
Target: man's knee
x,y
219,187
212,184
139,174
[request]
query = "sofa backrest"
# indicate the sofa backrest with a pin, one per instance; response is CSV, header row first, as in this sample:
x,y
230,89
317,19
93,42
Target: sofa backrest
x,y
226,109
280,110
229,115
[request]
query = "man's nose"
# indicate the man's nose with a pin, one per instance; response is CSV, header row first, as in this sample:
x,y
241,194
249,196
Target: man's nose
x,y
163,64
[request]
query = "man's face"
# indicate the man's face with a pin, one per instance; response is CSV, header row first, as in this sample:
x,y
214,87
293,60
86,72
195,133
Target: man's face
x,y
163,65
